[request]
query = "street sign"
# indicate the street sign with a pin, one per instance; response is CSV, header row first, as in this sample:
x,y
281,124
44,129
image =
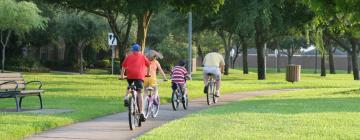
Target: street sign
x,y
112,43
112,39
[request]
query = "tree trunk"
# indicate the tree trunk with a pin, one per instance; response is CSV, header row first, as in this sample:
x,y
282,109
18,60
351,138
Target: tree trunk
x,y
289,59
354,57
290,53
123,46
3,59
349,62
244,56
81,63
244,46
227,60
278,56
80,49
4,45
143,24
117,32
316,61
227,44
323,68
260,50
114,27
236,53
200,52
331,56
331,62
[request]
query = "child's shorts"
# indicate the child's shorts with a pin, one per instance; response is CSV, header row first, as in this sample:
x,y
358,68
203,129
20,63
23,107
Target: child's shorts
x,y
182,86
150,82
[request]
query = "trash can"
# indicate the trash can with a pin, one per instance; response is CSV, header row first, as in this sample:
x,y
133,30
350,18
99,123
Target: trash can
x,y
293,73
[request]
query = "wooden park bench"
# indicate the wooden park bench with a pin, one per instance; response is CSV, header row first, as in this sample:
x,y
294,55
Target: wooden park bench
x,y
13,85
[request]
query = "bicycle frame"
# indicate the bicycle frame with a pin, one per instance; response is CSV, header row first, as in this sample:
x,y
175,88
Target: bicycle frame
x,y
133,109
152,103
211,89
177,96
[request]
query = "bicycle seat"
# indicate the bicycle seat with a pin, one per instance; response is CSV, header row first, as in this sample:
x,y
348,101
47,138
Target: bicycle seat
x,y
132,87
210,74
149,88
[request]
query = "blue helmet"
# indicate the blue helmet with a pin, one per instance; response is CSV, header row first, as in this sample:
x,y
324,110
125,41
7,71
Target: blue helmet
x,y
135,47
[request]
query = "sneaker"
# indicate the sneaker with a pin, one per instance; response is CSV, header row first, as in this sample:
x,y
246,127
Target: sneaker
x,y
217,94
205,89
142,117
126,102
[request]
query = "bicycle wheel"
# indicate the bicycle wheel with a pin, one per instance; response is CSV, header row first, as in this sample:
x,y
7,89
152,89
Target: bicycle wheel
x,y
185,102
213,93
155,107
208,94
175,100
137,113
132,114
147,107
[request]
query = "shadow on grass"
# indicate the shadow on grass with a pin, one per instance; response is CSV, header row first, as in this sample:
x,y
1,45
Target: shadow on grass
x,y
290,106
63,90
87,107
350,92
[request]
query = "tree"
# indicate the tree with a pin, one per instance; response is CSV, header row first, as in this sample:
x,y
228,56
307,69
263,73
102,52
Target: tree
x,y
116,13
265,20
225,23
205,41
289,45
244,28
82,30
18,18
144,9
175,52
342,20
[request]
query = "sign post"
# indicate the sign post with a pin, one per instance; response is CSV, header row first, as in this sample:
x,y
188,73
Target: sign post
x,y
190,44
112,43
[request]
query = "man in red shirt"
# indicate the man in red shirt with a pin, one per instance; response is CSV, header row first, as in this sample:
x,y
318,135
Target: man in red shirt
x,y
136,66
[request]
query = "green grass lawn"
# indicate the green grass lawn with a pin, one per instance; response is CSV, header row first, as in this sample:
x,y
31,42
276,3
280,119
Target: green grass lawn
x,y
329,110
92,96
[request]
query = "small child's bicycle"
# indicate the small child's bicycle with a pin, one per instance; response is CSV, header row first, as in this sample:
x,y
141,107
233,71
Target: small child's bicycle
x,y
152,103
177,97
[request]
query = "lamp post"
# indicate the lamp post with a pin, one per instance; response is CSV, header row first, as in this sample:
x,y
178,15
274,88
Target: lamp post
x,y
190,44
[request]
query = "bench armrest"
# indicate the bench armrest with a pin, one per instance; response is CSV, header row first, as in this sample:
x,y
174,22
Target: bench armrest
x,y
39,82
10,82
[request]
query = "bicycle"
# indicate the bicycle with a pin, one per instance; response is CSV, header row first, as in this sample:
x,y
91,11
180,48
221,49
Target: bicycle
x,y
177,96
152,103
210,94
133,109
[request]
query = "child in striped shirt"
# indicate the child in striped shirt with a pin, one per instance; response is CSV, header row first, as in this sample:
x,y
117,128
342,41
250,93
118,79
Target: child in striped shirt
x,y
178,76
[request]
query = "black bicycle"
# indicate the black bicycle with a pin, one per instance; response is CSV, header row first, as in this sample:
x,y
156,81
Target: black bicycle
x,y
178,96
210,94
134,110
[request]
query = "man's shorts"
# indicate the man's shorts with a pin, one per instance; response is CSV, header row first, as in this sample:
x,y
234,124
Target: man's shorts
x,y
137,82
150,82
212,70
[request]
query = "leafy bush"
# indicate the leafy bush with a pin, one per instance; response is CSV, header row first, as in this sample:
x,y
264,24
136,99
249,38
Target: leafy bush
x,y
116,67
173,51
25,64
103,63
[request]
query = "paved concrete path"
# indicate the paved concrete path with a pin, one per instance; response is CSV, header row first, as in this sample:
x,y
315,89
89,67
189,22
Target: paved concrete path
x,y
116,127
